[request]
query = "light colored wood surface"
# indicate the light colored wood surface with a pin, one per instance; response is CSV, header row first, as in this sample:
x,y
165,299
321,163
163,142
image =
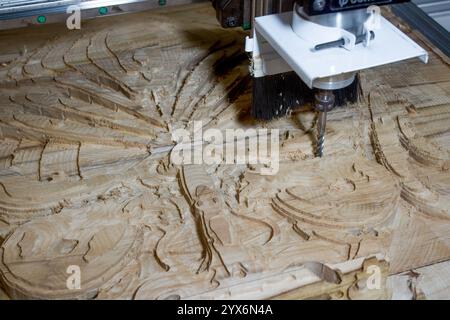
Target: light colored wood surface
x,y
3,295
430,282
336,284
86,129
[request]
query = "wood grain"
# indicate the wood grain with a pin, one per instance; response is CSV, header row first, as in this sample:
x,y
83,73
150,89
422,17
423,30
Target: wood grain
x,y
86,123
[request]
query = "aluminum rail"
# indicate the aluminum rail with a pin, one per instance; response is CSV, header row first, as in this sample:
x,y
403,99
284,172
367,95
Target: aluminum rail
x,y
20,13
422,22
439,10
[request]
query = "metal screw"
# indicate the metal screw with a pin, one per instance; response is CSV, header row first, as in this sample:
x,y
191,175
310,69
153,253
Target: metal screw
x,y
103,10
42,19
319,5
232,22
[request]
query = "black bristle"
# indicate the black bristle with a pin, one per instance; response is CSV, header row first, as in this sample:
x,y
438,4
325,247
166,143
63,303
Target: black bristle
x,y
275,96
350,94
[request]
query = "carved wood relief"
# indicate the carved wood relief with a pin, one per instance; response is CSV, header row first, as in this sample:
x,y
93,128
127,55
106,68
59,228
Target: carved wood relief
x,y
86,123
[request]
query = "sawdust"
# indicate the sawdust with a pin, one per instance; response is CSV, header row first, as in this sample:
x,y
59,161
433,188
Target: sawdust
x,y
85,178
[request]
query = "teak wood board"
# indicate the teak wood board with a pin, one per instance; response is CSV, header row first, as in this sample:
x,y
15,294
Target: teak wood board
x,y
86,122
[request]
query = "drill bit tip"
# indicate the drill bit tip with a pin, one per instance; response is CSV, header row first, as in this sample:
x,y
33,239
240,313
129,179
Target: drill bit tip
x,y
320,145
324,103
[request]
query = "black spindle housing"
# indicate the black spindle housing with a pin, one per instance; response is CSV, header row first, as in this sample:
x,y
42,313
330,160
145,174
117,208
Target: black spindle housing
x,y
316,7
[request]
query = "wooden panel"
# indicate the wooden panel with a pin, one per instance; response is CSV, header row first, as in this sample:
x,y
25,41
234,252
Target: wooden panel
x,y
86,123
430,282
